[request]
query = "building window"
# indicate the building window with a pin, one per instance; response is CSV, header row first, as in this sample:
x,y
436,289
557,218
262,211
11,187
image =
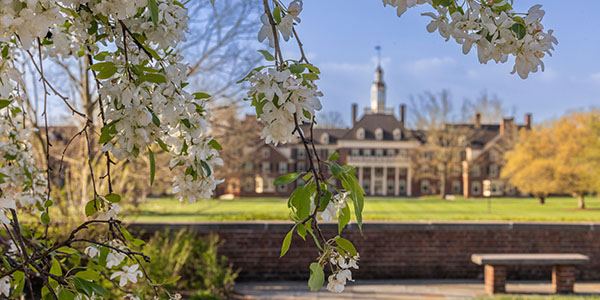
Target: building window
x,y
266,167
403,153
360,134
493,171
492,156
258,185
367,152
455,187
390,186
425,187
248,166
378,172
403,171
456,171
379,134
402,185
283,167
367,186
475,171
476,187
379,152
397,134
509,189
248,185
391,152
266,152
282,188
325,138
300,166
354,152
300,153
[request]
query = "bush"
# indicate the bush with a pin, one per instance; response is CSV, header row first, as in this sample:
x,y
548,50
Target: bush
x,y
193,258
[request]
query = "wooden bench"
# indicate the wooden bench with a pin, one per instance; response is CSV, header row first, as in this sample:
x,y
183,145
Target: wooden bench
x,y
563,271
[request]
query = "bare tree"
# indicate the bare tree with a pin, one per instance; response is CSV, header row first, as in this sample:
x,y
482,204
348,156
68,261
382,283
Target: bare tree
x,y
444,139
330,119
490,107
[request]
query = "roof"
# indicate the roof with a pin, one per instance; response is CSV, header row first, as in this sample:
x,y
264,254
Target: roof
x,y
371,122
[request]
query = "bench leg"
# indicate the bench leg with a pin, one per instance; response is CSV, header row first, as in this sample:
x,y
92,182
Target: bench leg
x,y
495,279
563,279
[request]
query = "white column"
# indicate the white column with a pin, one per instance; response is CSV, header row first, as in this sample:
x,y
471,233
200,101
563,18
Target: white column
x,y
360,176
372,188
396,181
384,180
409,182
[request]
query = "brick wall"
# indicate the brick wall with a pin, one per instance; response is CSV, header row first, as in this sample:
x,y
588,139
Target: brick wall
x,y
403,250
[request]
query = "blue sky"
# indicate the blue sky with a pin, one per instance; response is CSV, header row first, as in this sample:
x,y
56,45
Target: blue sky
x,y
340,35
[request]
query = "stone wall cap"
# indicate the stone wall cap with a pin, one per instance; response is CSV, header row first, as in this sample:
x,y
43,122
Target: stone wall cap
x,y
529,258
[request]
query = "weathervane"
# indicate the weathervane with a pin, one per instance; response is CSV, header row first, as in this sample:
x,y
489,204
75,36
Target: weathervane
x,y
378,49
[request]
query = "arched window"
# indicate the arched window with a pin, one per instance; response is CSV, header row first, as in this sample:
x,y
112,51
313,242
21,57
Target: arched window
x,y
397,134
379,134
325,138
360,134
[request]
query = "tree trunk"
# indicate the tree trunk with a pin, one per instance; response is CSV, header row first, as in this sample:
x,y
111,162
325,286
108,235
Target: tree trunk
x,y
580,197
542,199
443,193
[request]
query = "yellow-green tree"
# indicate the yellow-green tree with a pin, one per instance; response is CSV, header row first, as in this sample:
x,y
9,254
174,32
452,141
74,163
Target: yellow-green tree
x,y
562,158
530,165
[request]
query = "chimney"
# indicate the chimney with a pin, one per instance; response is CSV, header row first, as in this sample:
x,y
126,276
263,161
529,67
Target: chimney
x,y
403,114
354,112
477,120
528,120
505,124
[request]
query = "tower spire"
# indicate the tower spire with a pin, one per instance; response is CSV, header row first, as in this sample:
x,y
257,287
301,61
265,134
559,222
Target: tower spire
x,y
378,87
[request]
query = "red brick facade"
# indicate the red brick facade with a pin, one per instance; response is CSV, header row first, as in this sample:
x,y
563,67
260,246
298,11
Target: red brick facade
x,y
405,250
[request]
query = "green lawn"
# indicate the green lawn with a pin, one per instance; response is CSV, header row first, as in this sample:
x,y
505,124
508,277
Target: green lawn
x,y
430,208
527,297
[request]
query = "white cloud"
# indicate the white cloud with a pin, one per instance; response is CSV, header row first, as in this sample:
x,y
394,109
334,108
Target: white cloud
x,y
355,67
595,77
428,66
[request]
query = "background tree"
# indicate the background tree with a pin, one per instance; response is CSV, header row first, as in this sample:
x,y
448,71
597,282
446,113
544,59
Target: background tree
x,y
490,107
330,119
444,141
575,171
530,165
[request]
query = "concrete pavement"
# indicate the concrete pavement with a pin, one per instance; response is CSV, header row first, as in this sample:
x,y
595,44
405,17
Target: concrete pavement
x,y
398,290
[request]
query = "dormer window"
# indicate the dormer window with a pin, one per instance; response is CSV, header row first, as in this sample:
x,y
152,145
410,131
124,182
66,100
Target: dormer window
x,y
397,134
379,134
325,138
360,134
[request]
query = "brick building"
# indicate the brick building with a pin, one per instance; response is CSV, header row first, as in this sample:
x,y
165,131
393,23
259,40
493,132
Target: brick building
x,y
381,146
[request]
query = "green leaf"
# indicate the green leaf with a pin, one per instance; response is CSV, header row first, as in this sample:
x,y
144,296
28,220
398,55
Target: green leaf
x,y
66,295
153,7
88,274
162,145
152,77
346,245
286,179
334,156
287,241
302,231
201,95
187,123
88,287
105,69
313,68
45,218
112,197
172,280
519,30
267,55
19,279
55,269
297,68
107,133
91,208
213,143
317,277
137,242
277,15
206,168
126,233
300,200
336,169
4,103
310,76
344,218
152,166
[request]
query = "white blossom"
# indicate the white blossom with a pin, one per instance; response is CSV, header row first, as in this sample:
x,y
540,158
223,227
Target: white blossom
x,y
5,286
129,273
91,251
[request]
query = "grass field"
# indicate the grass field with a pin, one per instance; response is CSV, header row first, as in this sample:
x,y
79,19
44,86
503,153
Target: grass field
x,y
401,209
